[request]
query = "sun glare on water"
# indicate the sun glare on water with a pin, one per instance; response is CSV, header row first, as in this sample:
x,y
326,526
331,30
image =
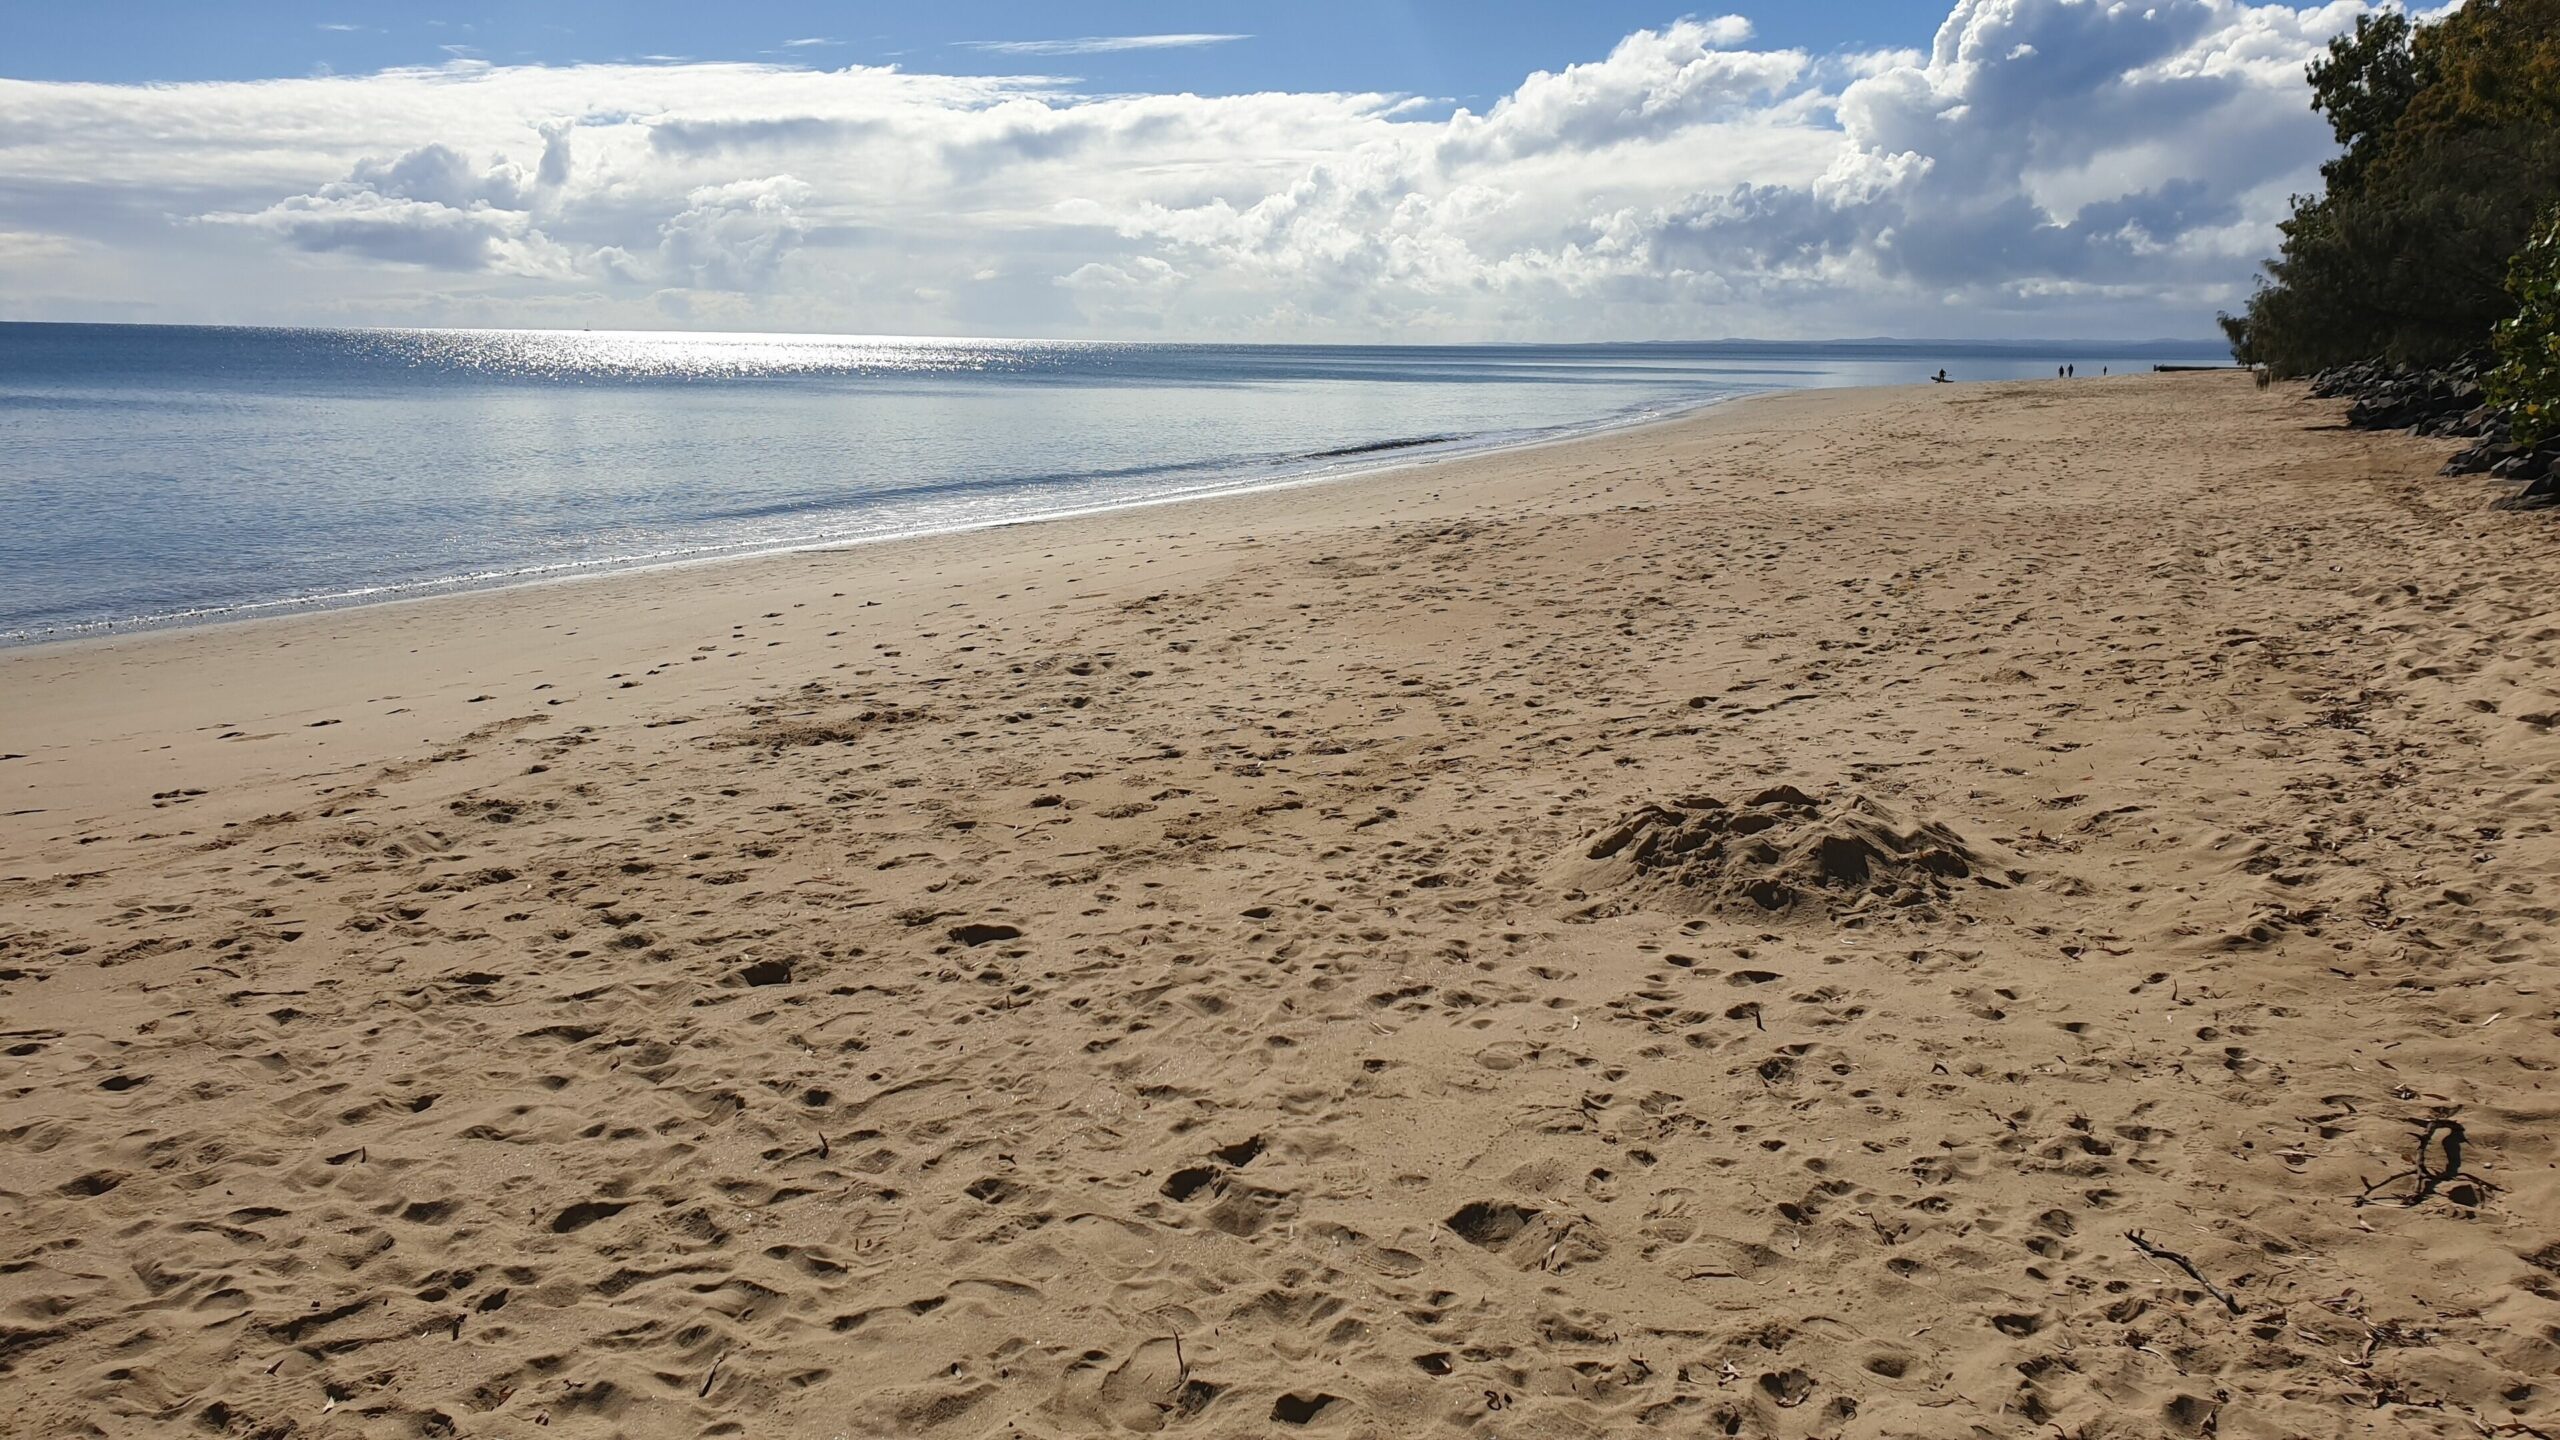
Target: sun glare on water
x,y
684,355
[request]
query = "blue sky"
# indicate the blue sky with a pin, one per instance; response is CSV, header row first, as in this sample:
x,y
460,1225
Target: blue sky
x,y
1435,47
1380,170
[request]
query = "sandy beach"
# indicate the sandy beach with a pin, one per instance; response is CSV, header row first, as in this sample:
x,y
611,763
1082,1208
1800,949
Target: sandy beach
x,y
1952,911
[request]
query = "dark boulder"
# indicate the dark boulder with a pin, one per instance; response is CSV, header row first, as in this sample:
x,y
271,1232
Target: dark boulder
x,y
2481,458
2446,400
2538,469
2539,495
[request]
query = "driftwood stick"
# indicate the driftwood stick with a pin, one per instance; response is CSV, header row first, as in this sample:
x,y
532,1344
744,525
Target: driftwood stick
x,y
2163,1252
2430,1176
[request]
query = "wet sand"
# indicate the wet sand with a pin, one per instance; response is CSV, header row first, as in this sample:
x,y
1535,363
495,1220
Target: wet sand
x,y
1733,927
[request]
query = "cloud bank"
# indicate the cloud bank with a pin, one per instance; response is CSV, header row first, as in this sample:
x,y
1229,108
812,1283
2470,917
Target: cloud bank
x,y
2090,167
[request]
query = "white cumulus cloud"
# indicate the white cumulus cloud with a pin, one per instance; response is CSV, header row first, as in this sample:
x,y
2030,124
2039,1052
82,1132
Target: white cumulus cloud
x,y
734,236
2090,167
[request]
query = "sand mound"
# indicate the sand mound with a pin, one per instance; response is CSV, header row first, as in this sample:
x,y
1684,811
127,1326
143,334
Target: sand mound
x,y
1779,852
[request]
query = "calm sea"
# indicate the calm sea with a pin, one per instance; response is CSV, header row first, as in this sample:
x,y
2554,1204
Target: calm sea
x,y
154,475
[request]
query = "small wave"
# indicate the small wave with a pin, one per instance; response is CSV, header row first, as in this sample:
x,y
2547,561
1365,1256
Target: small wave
x,y
1376,446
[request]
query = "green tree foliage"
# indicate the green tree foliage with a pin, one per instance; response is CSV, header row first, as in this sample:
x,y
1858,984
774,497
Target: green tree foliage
x,y
2364,86
2451,146
2491,66
2528,375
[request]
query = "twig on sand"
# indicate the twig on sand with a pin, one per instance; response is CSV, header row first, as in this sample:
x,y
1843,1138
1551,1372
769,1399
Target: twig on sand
x,y
1181,1367
2163,1252
714,1375
2430,1177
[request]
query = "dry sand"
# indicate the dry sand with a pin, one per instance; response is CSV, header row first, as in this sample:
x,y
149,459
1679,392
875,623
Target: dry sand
x,y
1722,929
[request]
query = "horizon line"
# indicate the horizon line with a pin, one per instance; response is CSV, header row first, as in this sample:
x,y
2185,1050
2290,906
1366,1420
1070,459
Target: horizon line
x,y
2211,342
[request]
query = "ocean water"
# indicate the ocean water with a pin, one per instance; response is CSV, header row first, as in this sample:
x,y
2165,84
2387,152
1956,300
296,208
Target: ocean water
x,y
155,475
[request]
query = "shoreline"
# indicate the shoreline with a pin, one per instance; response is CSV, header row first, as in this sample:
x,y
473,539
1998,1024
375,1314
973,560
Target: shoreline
x,y
83,680
1460,450
1774,922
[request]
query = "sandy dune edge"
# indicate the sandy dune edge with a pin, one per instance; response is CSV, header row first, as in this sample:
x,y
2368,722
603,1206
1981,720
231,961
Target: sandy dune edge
x,y
1723,928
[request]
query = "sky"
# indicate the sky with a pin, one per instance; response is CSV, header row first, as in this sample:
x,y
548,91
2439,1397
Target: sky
x,y
1391,170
